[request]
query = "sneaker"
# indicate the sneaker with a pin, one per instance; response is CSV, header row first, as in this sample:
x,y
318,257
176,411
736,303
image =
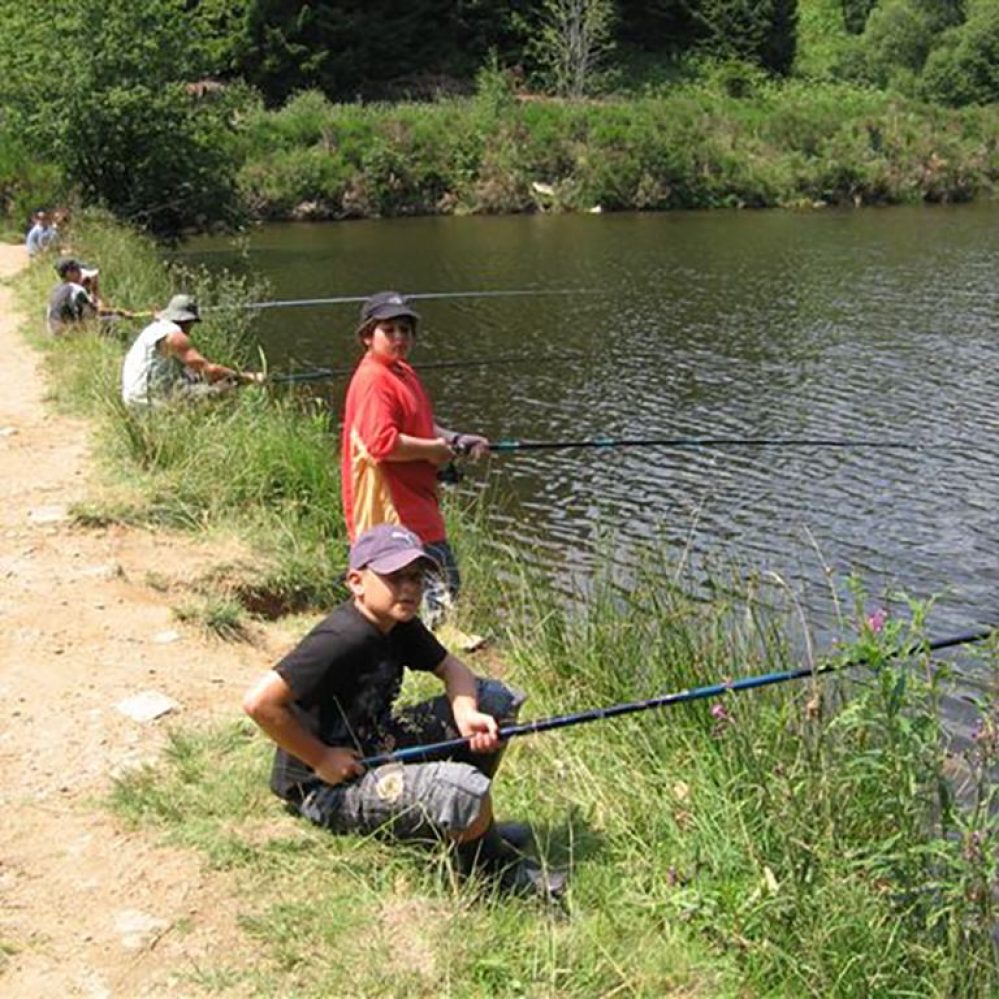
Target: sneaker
x,y
519,835
527,877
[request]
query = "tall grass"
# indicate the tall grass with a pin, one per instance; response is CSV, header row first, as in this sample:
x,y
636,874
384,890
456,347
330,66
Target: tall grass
x,y
799,840
257,463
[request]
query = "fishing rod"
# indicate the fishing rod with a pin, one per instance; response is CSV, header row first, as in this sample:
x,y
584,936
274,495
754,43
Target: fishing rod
x,y
692,442
288,303
322,374
294,377
116,312
417,753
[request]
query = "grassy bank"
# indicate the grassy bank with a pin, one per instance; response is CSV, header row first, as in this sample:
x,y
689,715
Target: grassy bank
x,y
802,839
691,147
257,464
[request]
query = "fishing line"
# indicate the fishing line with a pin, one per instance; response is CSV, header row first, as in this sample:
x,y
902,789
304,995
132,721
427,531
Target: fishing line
x,y
321,374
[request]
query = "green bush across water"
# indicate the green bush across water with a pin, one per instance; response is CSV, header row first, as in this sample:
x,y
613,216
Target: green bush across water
x,y
692,148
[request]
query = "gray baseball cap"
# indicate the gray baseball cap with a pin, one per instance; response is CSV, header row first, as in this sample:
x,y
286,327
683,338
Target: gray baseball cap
x,y
386,548
385,305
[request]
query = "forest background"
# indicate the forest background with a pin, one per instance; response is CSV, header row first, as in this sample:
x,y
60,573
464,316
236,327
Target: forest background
x,y
180,115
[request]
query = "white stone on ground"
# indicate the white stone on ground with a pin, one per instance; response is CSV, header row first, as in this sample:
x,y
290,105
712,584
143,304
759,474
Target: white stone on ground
x,y
147,706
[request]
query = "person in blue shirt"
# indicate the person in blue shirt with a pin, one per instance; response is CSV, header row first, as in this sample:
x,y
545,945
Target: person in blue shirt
x,y
42,235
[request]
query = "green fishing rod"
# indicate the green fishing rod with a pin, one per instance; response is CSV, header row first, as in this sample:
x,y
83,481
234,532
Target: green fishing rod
x,y
415,754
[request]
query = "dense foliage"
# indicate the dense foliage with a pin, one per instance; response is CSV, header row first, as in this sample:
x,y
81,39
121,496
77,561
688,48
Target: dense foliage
x,y
102,96
695,148
145,107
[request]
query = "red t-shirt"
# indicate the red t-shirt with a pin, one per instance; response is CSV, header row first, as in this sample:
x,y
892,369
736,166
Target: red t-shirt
x,y
385,399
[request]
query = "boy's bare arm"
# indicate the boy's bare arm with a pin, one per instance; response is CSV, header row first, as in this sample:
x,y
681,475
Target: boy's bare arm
x,y
268,702
433,449
179,345
479,728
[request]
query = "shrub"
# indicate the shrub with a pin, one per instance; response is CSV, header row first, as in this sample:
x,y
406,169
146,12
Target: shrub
x,y
104,99
964,67
25,183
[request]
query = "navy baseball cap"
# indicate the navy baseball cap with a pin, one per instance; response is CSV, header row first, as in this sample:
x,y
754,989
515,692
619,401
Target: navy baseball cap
x,y
385,305
386,548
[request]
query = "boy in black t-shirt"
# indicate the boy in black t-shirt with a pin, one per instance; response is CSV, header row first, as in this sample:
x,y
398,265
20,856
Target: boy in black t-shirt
x,y
328,703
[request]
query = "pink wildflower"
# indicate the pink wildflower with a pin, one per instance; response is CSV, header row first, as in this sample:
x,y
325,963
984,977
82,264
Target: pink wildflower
x,y
876,619
718,711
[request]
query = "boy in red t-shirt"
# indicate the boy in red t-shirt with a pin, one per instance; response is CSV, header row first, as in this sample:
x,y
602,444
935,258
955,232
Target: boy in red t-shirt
x,y
392,446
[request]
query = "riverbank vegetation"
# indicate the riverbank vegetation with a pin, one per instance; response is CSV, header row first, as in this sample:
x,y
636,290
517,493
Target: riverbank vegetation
x,y
257,463
797,841
695,148
262,110
816,838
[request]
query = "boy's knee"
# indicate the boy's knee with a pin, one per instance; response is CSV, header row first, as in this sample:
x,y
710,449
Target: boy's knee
x,y
478,825
498,699
454,797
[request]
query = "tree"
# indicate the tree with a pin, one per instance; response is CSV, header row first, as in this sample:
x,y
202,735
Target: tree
x,y
900,35
964,67
763,32
658,25
103,95
855,14
372,49
572,43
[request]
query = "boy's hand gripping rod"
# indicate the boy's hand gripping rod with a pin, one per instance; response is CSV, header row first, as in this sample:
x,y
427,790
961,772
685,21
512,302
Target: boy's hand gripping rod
x,y
415,754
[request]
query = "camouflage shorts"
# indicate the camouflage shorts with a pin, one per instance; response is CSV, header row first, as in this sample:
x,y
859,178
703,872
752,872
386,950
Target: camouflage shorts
x,y
418,800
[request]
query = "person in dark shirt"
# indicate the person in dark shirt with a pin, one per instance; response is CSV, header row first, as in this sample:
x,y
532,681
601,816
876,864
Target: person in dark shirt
x,y
329,703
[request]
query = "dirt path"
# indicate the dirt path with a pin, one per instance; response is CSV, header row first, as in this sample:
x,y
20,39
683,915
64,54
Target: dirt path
x,y
87,908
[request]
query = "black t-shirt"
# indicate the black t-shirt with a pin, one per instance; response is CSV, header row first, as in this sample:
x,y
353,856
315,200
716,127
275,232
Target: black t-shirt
x,y
345,675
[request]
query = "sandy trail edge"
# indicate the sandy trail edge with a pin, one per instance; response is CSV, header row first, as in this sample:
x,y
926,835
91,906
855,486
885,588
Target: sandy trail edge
x,y
87,908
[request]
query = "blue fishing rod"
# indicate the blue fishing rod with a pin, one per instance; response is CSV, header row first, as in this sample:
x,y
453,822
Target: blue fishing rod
x,y
415,754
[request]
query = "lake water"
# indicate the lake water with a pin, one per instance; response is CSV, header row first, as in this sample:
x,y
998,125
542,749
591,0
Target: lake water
x,y
877,324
